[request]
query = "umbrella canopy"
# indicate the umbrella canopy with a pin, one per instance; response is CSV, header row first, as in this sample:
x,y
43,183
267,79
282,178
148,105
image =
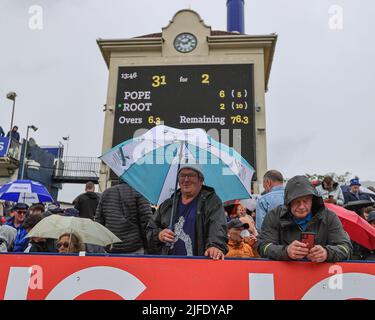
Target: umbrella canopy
x,y
89,231
358,204
359,229
366,190
370,193
149,163
25,191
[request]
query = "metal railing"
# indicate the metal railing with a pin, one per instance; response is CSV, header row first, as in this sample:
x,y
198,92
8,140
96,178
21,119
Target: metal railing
x,y
81,168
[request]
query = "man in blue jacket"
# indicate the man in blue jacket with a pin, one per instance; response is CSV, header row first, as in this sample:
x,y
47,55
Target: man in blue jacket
x,y
274,197
20,211
354,194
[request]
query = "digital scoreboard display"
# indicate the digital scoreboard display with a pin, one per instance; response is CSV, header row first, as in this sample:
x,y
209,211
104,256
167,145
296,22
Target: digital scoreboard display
x,y
216,98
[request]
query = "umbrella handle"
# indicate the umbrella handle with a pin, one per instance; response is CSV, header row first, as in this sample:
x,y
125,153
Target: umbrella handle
x,y
170,226
175,189
122,157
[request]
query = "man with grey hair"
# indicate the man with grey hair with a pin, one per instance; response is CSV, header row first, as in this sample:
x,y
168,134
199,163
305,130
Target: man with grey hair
x,y
199,222
273,186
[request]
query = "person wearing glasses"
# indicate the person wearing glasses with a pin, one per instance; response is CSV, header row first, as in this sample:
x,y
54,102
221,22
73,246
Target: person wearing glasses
x,y
19,212
17,215
199,224
70,243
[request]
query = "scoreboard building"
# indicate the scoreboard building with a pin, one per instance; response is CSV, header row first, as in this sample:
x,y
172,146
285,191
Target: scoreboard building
x,y
189,76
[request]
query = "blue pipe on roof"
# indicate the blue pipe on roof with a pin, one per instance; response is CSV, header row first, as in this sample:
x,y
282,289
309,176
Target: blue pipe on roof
x,y
235,16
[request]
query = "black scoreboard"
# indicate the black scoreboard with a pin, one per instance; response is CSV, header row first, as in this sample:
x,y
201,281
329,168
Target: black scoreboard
x,y
217,98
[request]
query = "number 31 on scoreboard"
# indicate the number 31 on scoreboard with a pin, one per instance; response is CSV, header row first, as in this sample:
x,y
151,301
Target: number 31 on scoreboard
x,y
159,80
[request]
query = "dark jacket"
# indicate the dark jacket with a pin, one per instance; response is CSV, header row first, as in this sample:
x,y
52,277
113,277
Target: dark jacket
x,y
362,253
44,246
21,242
279,229
210,228
94,248
86,204
126,213
14,135
348,196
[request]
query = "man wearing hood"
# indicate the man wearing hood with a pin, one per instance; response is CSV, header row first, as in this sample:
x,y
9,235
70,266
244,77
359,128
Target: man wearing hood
x,y
87,202
303,211
199,224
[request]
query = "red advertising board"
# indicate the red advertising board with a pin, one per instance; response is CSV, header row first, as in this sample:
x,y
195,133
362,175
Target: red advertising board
x,y
30,276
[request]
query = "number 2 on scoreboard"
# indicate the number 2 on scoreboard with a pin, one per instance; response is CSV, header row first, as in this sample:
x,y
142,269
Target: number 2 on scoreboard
x,y
205,78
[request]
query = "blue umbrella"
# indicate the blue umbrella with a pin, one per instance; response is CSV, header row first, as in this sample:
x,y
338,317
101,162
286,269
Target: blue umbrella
x,y
150,163
25,191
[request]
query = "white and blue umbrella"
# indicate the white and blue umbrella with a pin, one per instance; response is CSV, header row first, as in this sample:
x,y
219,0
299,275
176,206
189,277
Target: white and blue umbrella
x,y
149,163
25,191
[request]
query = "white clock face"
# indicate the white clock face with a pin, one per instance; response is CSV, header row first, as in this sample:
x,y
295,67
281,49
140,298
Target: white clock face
x,y
185,42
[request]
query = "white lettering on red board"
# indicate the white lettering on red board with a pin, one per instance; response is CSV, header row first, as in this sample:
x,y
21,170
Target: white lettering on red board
x,y
129,287
351,286
354,286
111,279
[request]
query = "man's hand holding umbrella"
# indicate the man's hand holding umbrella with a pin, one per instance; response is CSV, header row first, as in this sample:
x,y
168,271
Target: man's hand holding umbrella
x,y
167,236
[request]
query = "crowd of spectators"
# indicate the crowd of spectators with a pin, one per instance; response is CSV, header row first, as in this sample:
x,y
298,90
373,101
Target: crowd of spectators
x,y
194,221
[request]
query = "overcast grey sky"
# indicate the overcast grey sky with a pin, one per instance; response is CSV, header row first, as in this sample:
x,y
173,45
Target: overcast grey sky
x,y
320,103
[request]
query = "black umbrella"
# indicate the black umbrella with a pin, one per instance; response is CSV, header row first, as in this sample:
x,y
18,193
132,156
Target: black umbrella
x,y
358,205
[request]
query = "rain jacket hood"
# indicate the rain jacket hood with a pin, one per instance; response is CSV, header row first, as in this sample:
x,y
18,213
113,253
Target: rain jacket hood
x,y
8,234
279,229
300,186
